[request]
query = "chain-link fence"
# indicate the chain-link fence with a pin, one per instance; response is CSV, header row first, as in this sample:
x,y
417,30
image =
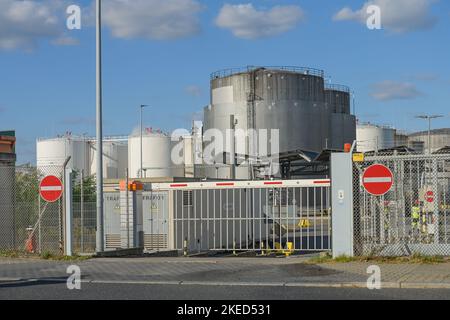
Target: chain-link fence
x,y
27,223
413,217
30,224
84,208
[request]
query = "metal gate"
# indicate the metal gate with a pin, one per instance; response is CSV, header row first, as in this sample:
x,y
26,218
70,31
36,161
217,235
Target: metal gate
x,y
155,210
291,215
112,220
414,216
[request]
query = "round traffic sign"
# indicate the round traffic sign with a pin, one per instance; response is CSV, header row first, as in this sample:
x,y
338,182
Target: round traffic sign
x,y
51,189
429,196
377,179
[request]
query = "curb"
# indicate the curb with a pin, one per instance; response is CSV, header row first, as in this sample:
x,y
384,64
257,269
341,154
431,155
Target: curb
x,y
356,285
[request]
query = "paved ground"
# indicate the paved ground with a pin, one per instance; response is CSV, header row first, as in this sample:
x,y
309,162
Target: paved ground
x,y
217,278
123,291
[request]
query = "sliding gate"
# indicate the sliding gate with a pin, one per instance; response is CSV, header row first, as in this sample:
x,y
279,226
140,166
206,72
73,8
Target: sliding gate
x,y
249,215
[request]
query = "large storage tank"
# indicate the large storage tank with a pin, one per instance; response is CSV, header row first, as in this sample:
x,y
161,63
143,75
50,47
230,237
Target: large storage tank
x,y
372,137
156,156
115,158
440,138
51,154
289,99
342,130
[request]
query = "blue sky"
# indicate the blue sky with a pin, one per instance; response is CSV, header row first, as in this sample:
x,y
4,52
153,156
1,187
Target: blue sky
x,y
161,53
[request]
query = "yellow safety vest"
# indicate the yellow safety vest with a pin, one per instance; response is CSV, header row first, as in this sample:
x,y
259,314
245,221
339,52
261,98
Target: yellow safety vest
x,y
415,212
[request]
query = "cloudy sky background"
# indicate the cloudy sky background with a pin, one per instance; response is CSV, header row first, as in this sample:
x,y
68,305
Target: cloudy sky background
x,y
161,53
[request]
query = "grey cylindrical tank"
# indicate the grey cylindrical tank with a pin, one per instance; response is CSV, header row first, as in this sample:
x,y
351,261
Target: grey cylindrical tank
x,y
288,99
337,100
440,138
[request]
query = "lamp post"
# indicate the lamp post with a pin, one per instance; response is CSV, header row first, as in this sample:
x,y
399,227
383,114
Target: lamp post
x,y
99,129
141,171
429,118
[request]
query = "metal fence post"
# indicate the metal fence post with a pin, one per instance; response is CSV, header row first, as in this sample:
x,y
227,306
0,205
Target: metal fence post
x,y
82,211
342,204
68,213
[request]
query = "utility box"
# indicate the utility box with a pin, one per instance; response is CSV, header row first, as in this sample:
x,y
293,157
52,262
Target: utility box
x,y
155,219
342,204
131,224
111,204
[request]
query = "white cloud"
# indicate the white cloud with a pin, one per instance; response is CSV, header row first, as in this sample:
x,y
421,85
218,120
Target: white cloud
x,y
246,22
152,19
193,90
392,90
398,16
65,40
24,23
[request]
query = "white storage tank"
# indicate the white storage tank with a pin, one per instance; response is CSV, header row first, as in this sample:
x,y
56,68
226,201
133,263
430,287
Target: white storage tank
x,y
115,158
156,155
372,137
51,154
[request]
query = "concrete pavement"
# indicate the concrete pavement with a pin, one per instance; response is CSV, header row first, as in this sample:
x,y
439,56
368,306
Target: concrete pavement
x,y
292,272
43,290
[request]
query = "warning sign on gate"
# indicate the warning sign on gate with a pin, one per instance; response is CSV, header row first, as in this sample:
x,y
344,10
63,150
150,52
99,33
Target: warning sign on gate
x,y
429,196
377,179
51,189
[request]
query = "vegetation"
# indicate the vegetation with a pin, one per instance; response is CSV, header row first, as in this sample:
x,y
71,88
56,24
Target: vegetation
x,y
27,185
50,256
415,258
89,188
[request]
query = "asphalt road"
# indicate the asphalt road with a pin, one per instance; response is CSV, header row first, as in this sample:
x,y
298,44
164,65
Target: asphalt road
x,y
43,290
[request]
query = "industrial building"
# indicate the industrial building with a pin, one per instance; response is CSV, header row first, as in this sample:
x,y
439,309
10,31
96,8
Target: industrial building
x,y
7,188
52,153
372,138
309,114
439,139
123,154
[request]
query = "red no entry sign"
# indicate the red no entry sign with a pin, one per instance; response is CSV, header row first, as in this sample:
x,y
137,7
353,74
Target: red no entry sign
x,y
377,179
51,189
429,196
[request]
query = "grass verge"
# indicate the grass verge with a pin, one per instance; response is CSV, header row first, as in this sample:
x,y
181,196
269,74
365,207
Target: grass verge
x,y
413,259
15,254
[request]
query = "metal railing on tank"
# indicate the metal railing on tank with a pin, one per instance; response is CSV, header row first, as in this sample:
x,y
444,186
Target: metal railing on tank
x,y
232,71
337,87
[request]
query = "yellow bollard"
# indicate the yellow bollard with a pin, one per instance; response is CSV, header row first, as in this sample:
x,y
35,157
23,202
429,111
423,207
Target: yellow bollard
x,y
185,250
279,248
289,249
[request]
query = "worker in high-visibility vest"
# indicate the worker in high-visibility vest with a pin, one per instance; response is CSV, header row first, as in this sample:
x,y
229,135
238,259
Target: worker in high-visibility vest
x,y
415,216
424,223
